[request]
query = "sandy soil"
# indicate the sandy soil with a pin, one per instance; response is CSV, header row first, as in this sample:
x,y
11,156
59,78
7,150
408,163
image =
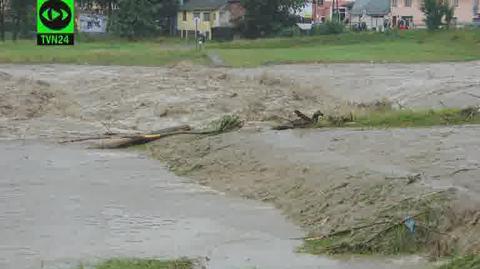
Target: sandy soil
x,y
322,179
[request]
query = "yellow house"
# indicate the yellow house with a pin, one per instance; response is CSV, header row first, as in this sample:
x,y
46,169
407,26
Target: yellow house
x,y
206,15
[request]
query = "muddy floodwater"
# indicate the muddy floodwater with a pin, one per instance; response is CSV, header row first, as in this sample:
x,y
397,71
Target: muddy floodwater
x,y
60,206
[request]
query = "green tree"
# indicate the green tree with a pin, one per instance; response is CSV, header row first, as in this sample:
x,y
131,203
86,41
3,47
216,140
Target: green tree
x,y
3,4
22,15
141,18
107,5
435,11
449,12
266,17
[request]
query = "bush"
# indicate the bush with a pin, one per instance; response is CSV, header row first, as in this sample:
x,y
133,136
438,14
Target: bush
x,y
289,31
435,11
328,28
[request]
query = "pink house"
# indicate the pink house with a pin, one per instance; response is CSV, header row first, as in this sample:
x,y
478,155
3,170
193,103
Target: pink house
x,y
410,10
322,10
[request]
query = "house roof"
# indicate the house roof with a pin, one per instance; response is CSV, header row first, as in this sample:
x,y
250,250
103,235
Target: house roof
x,y
371,7
203,4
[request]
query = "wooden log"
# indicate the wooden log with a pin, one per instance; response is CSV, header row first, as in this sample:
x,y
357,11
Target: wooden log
x,y
303,116
125,137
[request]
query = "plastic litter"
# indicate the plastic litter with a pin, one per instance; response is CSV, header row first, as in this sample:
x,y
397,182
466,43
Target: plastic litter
x,y
410,223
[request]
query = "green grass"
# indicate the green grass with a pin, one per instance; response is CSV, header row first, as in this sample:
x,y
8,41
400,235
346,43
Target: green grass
x,y
408,47
406,118
144,264
395,46
467,262
101,52
317,246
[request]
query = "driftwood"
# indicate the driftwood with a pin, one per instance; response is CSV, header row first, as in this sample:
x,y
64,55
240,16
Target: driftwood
x,y
302,116
228,123
126,136
303,121
123,142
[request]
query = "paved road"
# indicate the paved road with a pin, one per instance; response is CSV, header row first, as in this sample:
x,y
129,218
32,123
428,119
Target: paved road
x,y
63,205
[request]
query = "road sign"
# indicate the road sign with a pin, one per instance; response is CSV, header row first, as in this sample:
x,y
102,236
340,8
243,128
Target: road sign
x,y
55,22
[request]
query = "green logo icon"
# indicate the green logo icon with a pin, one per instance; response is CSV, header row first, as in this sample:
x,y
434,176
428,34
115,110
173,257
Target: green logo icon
x,y
55,14
55,22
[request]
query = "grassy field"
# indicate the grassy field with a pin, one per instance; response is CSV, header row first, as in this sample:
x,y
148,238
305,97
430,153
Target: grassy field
x,y
144,264
406,46
101,52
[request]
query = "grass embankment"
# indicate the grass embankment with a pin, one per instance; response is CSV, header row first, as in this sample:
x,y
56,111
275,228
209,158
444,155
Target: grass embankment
x,y
404,118
404,46
467,262
144,264
102,52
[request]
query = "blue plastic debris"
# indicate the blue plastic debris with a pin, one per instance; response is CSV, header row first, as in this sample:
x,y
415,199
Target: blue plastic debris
x,y
410,224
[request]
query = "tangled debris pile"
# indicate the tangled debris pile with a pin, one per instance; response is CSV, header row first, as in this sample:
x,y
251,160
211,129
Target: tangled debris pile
x,y
414,224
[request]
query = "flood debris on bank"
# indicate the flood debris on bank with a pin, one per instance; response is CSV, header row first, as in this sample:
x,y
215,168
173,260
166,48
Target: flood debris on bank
x,y
115,141
380,114
412,225
463,262
357,206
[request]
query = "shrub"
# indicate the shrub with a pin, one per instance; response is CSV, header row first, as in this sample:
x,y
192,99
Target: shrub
x,y
289,31
328,28
435,11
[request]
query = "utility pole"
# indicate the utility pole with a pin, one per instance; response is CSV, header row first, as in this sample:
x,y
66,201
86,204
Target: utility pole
x,y
196,31
333,10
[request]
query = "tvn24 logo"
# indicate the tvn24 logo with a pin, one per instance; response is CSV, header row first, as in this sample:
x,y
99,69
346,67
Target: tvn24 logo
x,y
55,22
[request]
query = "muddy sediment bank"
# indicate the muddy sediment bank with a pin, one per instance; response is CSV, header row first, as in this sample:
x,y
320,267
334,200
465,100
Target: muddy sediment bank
x,y
330,180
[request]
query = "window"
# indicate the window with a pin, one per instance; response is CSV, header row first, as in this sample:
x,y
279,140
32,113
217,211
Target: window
x,y
394,3
196,15
408,3
320,2
455,3
214,16
206,16
184,15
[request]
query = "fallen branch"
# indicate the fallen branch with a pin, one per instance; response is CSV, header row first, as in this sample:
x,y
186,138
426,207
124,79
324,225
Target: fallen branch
x,y
302,116
113,135
125,142
303,121
226,124
87,139
350,230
